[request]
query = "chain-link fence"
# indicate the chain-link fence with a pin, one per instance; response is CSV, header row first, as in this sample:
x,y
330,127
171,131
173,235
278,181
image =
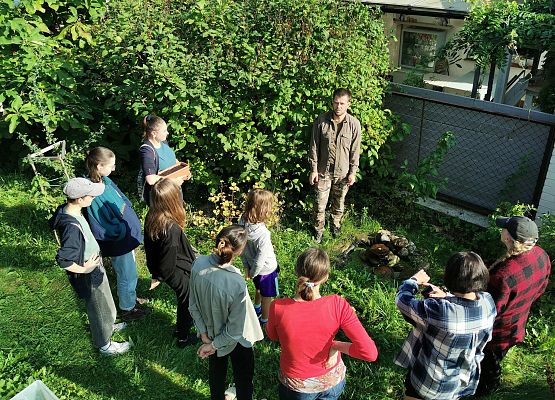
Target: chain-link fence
x,y
501,152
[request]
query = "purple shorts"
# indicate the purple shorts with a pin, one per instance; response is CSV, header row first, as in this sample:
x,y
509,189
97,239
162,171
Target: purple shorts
x,y
267,284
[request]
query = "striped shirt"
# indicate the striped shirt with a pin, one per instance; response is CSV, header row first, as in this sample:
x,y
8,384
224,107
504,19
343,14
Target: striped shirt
x,y
444,350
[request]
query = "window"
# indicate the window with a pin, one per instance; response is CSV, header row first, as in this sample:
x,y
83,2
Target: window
x,y
419,47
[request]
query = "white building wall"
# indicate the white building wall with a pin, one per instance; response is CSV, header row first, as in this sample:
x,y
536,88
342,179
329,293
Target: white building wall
x,y
547,199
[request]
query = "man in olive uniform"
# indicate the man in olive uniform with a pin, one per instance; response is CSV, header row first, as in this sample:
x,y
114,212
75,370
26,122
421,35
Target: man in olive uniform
x,y
334,157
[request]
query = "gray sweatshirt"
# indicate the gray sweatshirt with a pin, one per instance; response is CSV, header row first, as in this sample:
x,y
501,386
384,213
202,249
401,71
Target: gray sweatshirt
x,y
220,305
258,257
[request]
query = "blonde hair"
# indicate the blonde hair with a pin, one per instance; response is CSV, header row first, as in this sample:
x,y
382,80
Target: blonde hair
x,y
98,155
312,268
151,123
166,207
259,206
514,248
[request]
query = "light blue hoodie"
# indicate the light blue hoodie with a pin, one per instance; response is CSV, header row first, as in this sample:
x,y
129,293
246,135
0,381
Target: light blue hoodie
x,y
258,257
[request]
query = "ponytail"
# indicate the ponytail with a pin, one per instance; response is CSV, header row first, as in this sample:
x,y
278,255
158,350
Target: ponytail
x,y
151,123
305,288
224,251
230,243
98,155
312,268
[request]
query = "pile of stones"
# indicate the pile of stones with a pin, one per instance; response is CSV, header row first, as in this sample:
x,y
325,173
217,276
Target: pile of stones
x,y
390,255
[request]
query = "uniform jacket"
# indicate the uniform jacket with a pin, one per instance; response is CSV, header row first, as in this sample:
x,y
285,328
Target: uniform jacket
x,y
347,149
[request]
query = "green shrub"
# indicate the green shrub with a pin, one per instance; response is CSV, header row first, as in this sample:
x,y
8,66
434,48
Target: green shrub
x,y
547,234
42,82
241,82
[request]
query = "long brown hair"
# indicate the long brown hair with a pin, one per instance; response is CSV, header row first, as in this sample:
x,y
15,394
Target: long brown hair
x,y
151,123
98,155
230,243
312,268
166,208
259,205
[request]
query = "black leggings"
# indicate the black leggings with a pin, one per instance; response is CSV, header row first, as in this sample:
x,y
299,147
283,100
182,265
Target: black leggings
x,y
490,375
179,282
242,362
409,389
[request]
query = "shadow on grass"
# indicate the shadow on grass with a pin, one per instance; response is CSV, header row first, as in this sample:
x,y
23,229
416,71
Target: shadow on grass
x,y
154,368
41,317
531,390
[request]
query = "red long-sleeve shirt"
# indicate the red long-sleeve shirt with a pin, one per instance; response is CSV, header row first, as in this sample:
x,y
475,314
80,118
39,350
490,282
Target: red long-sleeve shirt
x,y
306,329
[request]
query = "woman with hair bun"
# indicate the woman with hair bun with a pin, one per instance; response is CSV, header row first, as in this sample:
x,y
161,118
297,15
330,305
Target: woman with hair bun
x,y
155,153
224,315
306,325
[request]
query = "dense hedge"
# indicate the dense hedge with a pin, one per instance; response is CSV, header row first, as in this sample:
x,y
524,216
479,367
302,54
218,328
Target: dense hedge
x,y
41,79
240,82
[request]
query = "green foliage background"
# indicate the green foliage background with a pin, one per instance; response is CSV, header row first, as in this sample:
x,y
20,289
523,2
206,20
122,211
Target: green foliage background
x,y
239,82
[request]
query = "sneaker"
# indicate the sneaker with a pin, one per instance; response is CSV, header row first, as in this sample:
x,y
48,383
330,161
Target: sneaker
x,y
318,236
263,324
230,393
134,314
258,311
115,348
188,341
335,231
119,327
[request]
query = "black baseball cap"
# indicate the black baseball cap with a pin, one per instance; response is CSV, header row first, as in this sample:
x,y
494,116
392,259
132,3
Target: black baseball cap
x,y
522,229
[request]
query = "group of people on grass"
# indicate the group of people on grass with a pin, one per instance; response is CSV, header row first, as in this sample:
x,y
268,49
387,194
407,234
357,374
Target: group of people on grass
x,y
459,335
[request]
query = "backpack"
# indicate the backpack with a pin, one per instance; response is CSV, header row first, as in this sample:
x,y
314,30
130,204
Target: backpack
x,y
143,188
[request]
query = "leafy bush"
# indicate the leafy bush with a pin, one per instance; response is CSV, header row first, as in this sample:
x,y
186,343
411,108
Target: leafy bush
x,y
547,234
414,78
240,82
400,183
41,80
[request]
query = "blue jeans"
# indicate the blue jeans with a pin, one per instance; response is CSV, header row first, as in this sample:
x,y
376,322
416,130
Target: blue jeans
x,y
330,394
126,272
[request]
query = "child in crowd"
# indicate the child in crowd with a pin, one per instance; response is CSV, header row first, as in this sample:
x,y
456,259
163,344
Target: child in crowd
x,y
443,352
169,255
258,257
516,281
224,315
310,360
117,229
79,255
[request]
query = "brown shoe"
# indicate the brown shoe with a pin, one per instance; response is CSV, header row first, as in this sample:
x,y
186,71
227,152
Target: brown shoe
x,y
134,314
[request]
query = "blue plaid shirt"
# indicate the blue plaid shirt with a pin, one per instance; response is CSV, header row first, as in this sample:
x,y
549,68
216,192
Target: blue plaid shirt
x,y
444,350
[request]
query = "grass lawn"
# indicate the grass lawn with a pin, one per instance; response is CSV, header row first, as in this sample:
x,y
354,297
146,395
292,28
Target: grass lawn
x,y
44,334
